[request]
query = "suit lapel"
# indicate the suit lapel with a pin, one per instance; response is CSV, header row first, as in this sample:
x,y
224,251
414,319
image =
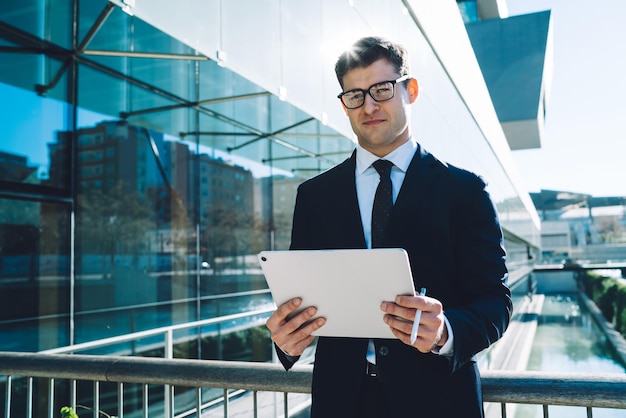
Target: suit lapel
x,y
343,192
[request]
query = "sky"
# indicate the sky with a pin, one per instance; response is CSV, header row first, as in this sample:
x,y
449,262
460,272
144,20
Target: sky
x,y
584,145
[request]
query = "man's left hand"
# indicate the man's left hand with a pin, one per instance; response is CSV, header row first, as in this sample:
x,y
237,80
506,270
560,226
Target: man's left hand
x,y
432,329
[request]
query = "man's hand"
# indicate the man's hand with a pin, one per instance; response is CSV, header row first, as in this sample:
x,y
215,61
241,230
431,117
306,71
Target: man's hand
x,y
432,328
293,335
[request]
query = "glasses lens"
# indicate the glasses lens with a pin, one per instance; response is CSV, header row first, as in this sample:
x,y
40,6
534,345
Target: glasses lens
x,y
382,91
353,99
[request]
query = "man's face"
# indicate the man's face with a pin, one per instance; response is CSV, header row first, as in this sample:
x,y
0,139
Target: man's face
x,y
383,126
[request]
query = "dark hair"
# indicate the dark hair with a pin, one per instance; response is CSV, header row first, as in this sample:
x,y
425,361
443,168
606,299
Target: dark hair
x,y
368,50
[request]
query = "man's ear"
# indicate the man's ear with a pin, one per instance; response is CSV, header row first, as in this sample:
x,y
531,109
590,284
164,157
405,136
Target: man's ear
x,y
413,89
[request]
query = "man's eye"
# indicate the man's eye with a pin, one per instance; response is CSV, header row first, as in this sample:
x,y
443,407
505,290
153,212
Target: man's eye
x,y
381,90
357,95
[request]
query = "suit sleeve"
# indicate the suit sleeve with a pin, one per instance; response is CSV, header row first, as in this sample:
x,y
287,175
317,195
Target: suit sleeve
x,y
484,309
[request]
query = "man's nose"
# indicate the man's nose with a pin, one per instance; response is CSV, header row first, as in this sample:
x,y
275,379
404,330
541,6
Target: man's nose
x,y
370,104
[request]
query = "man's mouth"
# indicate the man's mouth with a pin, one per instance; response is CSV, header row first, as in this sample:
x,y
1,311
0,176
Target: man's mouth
x,y
373,122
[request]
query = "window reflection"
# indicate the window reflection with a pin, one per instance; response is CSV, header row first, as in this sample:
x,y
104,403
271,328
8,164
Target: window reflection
x,y
29,151
160,226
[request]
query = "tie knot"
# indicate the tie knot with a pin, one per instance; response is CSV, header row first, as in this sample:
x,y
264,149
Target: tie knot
x,y
383,167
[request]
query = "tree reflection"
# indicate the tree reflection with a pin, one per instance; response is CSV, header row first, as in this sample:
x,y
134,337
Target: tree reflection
x,y
113,221
230,235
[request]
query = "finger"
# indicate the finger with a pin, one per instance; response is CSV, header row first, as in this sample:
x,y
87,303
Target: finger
x,y
399,324
426,334
406,313
282,312
302,338
296,328
426,339
294,342
417,302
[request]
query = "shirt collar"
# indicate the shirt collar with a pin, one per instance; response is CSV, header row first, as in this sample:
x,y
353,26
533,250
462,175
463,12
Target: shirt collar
x,y
400,157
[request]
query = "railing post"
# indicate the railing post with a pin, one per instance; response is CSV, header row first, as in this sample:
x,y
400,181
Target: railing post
x,y
225,402
120,400
168,391
51,398
146,401
29,398
96,399
72,394
7,412
169,413
198,402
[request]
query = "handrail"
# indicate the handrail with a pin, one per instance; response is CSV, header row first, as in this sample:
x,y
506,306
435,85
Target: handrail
x,y
599,390
159,371
542,388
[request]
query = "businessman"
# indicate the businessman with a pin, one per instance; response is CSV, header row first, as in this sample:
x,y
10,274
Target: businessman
x,y
445,220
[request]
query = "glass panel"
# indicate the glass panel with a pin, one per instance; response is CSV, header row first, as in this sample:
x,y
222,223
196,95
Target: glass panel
x,y
38,18
259,18
31,148
34,275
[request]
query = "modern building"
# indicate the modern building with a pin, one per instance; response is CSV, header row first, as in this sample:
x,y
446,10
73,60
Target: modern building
x,y
150,149
580,227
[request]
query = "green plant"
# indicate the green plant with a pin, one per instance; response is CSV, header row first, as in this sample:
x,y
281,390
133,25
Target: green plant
x,y
68,412
606,298
620,309
609,294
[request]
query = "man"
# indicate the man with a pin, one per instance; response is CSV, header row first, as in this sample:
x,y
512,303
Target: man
x,y
442,216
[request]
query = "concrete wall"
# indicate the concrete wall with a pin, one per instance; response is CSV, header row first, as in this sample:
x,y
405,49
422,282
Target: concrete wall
x,y
555,282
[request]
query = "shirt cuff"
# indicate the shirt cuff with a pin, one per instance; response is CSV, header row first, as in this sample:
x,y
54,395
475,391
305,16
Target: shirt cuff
x,y
448,348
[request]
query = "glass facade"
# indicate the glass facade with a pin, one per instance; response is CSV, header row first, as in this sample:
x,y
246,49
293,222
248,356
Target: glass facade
x,y
146,158
468,9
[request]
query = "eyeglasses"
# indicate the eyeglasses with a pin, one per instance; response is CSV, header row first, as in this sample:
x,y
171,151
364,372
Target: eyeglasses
x,y
380,92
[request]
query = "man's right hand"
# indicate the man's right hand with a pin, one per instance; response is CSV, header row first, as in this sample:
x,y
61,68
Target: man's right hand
x,y
293,335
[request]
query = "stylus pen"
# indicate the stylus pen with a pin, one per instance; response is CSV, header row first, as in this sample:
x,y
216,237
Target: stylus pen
x,y
416,321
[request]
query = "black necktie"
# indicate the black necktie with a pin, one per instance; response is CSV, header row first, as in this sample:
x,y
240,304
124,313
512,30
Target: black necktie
x,y
383,202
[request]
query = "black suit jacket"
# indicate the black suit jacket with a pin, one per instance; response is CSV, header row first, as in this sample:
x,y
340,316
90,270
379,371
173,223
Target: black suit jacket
x,y
444,218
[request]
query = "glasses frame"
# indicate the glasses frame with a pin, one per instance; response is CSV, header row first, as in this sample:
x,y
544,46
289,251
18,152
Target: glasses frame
x,y
369,91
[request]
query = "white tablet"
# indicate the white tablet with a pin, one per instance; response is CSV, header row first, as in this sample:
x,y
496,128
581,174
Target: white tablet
x,y
346,286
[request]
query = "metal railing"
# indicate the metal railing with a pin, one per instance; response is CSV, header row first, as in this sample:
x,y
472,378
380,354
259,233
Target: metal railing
x,y
168,342
166,332
502,387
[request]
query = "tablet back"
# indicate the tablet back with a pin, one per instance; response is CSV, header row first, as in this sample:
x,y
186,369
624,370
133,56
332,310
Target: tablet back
x,y
347,286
